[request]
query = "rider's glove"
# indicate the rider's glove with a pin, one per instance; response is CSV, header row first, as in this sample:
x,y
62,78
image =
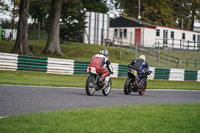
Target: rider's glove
x,y
148,72
129,65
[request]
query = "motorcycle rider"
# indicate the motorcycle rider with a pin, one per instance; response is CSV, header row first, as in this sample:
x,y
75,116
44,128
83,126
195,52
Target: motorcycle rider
x,y
102,64
142,67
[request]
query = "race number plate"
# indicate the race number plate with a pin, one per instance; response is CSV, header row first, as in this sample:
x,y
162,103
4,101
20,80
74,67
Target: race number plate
x,y
135,72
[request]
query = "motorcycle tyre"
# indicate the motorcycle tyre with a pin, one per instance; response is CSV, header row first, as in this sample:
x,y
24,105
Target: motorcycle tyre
x,y
145,86
104,91
126,86
91,77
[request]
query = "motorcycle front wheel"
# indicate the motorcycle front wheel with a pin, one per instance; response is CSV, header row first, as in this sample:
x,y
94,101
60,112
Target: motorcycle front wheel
x,y
107,89
127,86
90,85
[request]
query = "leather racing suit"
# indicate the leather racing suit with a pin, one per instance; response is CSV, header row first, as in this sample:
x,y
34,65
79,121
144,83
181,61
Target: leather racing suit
x,y
102,64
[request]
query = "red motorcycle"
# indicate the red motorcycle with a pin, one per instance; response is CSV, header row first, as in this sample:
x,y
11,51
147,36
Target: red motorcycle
x,y
93,83
132,83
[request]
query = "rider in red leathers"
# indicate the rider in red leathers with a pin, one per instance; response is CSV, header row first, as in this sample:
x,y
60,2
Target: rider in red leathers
x,y
102,64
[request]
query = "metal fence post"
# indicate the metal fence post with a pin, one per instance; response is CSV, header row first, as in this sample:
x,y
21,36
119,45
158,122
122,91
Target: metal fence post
x,y
131,40
120,54
195,63
177,61
136,51
152,54
168,58
158,54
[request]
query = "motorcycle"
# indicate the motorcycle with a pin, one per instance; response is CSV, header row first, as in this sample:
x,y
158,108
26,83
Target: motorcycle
x,y
132,83
94,83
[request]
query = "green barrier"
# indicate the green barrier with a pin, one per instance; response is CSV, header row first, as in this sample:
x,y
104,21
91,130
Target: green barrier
x,y
80,67
122,70
32,63
161,73
190,75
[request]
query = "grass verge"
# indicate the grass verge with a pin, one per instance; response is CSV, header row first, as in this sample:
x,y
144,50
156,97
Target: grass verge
x,y
44,79
168,118
70,50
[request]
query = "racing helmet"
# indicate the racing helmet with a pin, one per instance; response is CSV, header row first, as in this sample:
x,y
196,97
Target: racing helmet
x,y
142,57
104,52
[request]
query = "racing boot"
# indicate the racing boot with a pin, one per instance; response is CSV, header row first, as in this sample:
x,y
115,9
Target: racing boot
x,y
102,81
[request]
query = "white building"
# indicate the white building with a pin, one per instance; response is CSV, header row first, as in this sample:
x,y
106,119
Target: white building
x,y
132,31
7,34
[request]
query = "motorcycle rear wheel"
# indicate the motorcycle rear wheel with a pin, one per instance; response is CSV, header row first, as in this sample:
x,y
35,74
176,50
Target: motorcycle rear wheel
x,y
127,86
90,85
107,89
144,88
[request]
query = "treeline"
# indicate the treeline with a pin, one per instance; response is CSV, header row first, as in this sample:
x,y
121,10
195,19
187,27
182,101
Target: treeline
x,y
58,17
173,13
66,17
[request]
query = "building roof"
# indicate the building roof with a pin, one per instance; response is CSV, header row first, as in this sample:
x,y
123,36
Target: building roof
x,y
133,22
129,22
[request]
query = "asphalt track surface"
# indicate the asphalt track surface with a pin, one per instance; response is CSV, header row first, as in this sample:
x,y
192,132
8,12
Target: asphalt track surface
x,y
15,99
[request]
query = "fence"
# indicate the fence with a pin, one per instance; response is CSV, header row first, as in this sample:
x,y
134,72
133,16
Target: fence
x,y
14,62
176,54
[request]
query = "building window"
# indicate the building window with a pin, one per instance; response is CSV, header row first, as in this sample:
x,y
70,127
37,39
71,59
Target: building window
x,y
125,33
183,36
172,34
116,33
194,38
157,32
120,33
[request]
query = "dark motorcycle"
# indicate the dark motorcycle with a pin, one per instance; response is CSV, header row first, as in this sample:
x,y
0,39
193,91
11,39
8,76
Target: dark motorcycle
x,y
132,83
93,83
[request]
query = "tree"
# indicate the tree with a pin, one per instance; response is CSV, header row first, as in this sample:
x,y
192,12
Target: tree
x,y
95,5
52,45
14,12
173,13
39,16
21,43
162,10
72,20
194,6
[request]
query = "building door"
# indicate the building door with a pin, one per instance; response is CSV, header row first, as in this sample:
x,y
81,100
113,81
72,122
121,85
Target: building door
x,y
137,36
165,36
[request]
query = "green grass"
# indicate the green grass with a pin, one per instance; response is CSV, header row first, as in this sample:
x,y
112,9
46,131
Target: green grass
x,y
44,79
168,118
75,51
84,52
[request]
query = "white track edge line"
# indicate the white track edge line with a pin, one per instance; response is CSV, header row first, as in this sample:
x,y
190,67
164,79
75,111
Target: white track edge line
x,y
116,89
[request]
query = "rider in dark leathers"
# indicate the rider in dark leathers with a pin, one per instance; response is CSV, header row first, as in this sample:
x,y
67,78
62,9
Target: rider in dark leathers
x,y
141,66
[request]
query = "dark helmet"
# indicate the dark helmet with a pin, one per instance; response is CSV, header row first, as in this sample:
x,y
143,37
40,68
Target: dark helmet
x,y
104,52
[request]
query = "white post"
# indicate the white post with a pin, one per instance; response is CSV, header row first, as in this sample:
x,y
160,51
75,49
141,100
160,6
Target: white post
x,y
139,17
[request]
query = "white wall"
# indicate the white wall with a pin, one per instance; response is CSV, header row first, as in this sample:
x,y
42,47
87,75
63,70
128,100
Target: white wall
x,y
149,37
126,41
97,25
8,31
178,37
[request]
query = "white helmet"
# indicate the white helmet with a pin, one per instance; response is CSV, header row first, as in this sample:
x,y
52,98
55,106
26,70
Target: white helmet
x,y
104,52
142,57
